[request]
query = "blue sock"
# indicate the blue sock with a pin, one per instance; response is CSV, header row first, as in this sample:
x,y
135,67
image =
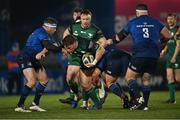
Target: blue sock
x,y
131,94
146,93
39,91
116,89
134,88
25,92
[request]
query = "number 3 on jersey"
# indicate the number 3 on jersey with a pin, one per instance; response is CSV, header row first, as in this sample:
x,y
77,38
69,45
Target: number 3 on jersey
x,y
145,32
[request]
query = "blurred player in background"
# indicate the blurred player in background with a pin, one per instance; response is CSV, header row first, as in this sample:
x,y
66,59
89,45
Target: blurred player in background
x,y
29,62
77,15
145,32
14,73
172,49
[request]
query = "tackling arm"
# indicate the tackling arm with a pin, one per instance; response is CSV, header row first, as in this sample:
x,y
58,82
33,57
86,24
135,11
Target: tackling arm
x,y
120,36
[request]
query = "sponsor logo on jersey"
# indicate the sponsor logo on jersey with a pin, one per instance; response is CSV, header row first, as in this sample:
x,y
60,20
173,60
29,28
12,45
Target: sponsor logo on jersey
x,y
76,34
90,35
83,32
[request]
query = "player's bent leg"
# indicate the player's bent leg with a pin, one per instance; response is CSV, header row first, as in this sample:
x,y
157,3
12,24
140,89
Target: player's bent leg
x,y
99,83
72,73
40,87
69,99
30,76
88,88
116,89
146,89
131,77
171,86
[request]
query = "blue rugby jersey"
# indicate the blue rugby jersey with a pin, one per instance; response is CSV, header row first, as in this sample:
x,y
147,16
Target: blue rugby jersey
x,y
34,43
145,32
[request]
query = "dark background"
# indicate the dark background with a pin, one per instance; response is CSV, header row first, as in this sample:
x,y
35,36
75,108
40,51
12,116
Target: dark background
x,y
20,17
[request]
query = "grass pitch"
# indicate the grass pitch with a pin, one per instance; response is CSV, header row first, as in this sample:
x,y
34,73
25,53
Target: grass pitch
x,y
112,109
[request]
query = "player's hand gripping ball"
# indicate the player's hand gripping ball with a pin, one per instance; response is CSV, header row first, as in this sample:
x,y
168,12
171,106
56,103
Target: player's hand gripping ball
x,y
88,60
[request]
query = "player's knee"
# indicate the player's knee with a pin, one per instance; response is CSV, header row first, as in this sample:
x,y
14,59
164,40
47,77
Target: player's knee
x,y
128,77
170,78
70,81
177,77
45,82
146,82
108,84
94,75
31,83
70,77
146,79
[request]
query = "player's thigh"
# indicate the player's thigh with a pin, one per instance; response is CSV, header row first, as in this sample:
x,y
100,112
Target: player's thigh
x,y
109,79
136,66
72,72
177,75
31,76
95,76
85,79
42,76
170,75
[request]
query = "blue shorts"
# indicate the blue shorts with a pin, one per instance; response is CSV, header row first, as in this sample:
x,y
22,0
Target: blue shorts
x,y
115,63
143,65
24,63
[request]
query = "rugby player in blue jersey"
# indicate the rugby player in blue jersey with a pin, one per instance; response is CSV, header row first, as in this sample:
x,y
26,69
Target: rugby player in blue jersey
x,y
114,64
38,43
145,32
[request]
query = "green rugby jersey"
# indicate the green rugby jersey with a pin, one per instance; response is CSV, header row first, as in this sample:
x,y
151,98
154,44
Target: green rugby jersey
x,y
171,44
85,36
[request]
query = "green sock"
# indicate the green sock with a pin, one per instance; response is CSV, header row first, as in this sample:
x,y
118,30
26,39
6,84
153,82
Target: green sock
x,y
85,96
73,86
94,96
171,87
72,95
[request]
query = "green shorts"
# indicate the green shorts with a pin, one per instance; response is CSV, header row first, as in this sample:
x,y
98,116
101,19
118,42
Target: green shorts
x,y
74,59
174,65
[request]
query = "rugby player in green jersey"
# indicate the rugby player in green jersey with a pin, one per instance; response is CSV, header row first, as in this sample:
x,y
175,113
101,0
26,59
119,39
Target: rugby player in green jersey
x,y
172,49
91,43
